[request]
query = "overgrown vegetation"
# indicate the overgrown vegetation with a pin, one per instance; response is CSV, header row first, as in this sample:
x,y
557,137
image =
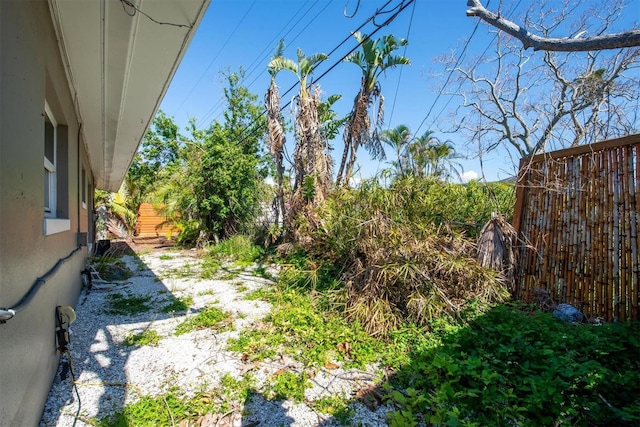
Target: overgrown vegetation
x,y
111,268
239,248
397,258
384,273
514,367
173,407
299,327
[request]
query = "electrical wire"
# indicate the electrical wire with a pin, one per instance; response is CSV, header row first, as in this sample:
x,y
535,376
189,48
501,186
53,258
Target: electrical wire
x,y
404,53
137,10
346,15
475,64
217,54
464,50
220,103
6,314
75,387
345,40
63,348
250,132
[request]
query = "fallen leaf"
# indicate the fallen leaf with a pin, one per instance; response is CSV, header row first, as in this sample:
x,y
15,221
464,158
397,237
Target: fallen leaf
x,y
331,365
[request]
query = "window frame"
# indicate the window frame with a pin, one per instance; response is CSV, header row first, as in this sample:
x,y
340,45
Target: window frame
x,y
50,168
52,223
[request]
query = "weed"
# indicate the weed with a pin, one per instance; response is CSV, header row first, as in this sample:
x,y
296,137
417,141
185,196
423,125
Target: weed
x,y
172,408
111,269
140,264
261,271
230,275
240,286
206,292
237,390
334,405
299,328
287,385
164,410
210,317
261,294
239,247
148,337
177,304
165,257
128,304
179,273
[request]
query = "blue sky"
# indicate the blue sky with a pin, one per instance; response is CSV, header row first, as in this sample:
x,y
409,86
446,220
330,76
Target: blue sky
x,y
236,33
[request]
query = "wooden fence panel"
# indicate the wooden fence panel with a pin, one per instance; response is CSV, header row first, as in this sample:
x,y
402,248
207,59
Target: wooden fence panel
x,y
577,215
153,224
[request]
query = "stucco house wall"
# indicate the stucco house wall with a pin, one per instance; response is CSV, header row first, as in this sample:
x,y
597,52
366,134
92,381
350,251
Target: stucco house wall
x,y
80,81
32,73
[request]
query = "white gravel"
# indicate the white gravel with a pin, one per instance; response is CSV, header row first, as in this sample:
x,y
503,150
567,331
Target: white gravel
x,y
110,374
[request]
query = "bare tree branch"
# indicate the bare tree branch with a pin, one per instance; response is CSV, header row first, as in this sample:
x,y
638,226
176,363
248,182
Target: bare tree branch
x,y
600,42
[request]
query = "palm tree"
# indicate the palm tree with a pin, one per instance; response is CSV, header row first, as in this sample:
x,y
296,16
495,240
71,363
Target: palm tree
x,y
433,158
312,163
398,138
374,58
275,138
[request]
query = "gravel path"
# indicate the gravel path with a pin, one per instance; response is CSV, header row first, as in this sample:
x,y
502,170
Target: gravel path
x,y
110,374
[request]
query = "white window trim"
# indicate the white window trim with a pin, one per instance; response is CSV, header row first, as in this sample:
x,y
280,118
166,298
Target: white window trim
x,y
50,211
56,225
84,191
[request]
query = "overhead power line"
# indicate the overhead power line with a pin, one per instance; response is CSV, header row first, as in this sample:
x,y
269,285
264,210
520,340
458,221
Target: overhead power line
x,y
403,5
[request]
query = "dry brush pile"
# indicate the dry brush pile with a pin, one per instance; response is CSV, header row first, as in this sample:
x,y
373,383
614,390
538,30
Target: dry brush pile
x,y
395,268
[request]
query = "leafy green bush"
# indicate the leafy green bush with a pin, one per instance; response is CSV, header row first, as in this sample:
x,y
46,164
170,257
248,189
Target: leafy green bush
x,y
509,367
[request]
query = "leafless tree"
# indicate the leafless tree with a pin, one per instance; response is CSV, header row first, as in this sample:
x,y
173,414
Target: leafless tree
x,y
574,43
531,102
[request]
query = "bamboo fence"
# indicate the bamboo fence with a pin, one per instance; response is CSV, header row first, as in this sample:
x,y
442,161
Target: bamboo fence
x,y
577,217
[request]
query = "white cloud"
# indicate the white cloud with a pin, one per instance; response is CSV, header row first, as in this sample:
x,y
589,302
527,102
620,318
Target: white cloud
x,y
469,175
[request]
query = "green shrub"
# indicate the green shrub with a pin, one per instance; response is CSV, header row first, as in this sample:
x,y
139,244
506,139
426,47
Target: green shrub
x,y
509,367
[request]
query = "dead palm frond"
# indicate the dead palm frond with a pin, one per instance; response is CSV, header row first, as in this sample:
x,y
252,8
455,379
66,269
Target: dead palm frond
x,y
497,248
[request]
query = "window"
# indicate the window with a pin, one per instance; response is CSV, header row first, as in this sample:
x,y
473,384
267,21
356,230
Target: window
x,y
55,200
84,189
50,146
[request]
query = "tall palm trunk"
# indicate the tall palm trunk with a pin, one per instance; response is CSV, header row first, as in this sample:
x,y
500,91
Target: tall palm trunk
x,y
275,141
355,134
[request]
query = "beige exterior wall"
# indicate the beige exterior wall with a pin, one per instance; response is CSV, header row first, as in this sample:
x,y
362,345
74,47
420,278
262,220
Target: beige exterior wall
x,y
31,71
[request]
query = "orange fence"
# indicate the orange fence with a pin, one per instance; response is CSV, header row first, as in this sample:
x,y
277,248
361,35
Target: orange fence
x,y
153,224
577,215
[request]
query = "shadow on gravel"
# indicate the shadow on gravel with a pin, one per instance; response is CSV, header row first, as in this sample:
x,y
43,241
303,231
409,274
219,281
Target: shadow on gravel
x,y
97,359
